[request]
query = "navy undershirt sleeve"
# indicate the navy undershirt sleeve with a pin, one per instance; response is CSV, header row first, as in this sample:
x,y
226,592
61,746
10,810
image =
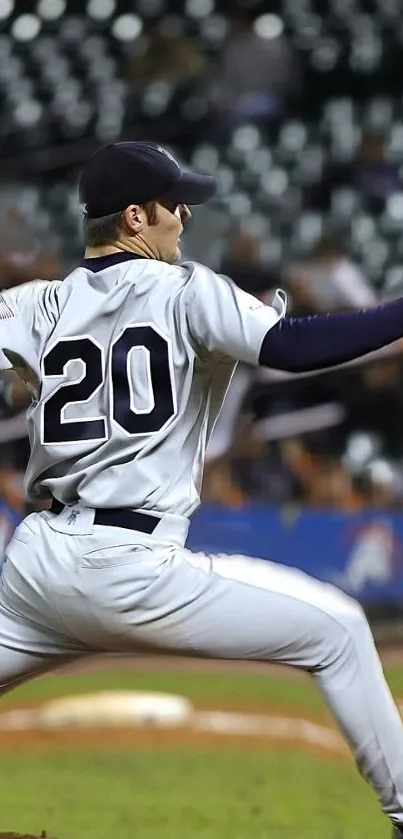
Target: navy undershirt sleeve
x,y
299,345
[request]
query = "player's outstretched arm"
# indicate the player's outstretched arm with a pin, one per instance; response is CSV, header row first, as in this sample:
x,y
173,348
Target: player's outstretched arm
x,y
299,345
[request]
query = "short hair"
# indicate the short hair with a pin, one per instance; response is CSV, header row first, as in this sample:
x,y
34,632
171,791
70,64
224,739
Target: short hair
x,y
105,229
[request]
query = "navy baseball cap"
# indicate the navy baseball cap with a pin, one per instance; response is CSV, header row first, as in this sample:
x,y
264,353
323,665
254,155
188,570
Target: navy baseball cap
x,y
137,172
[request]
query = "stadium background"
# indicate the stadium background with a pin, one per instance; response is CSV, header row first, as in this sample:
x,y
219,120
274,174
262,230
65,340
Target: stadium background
x,y
297,106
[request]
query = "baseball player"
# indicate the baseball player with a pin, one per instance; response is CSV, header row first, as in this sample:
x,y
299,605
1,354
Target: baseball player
x,y
127,362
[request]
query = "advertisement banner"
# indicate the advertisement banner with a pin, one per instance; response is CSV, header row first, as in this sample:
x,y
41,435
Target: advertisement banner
x,y
361,553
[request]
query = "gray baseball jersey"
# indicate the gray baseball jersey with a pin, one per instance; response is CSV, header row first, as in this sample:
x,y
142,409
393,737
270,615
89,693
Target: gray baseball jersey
x,y
128,366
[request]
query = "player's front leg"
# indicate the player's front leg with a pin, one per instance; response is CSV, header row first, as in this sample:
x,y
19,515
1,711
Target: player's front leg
x,y
251,609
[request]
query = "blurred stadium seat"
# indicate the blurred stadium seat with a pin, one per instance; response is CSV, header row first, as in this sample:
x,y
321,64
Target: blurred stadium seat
x,y
65,83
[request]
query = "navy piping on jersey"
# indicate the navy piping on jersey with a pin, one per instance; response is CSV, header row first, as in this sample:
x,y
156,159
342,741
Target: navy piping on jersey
x,y
99,263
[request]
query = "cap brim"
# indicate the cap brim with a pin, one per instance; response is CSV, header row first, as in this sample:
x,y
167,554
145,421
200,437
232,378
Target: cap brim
x,y
192,189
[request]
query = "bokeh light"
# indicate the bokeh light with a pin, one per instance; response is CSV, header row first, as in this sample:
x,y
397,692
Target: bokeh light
x,y
127,27
26,27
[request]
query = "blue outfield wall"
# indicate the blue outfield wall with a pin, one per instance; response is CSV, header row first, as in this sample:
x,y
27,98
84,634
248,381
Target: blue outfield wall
x,y
362,553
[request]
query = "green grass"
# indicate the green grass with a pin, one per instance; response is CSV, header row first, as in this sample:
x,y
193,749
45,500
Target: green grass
x,y
394,676
186,793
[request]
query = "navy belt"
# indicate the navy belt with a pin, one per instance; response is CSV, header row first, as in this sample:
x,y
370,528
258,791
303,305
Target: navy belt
x,y
118,517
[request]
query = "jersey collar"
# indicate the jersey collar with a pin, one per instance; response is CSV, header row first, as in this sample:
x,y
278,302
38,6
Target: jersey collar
x,y
99,263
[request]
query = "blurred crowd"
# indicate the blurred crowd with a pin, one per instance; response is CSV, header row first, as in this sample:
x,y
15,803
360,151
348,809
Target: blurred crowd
x,y
311,201
332,439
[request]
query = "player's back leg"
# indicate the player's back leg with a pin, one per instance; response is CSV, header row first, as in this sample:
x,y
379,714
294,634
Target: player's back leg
x,y
32,640
17,667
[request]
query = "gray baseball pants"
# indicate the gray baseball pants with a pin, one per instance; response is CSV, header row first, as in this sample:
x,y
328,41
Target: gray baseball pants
x,y
72,588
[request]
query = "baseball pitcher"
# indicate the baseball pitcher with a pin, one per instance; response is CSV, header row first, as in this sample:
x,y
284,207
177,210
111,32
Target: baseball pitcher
x,y
127,361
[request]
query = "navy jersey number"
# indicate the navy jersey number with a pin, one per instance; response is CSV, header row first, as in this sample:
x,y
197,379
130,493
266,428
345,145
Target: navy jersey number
x,y
161,386
56,429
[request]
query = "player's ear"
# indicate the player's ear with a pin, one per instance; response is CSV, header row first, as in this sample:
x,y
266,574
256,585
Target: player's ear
x,y
133,217
185,213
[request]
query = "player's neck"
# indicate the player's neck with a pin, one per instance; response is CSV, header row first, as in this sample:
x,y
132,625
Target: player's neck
x,y
140,247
